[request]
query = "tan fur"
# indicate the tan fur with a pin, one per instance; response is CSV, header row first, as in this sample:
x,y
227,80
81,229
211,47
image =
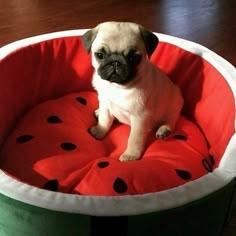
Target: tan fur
x,y
149,102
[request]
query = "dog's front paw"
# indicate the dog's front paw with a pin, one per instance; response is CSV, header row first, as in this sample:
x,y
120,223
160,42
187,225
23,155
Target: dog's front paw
x,y
97,132
163,131
129,157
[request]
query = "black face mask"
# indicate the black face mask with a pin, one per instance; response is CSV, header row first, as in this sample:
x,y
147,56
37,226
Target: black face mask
x,y
118,68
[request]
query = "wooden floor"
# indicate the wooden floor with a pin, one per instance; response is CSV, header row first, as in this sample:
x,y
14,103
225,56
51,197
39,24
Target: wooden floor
x,y
211,23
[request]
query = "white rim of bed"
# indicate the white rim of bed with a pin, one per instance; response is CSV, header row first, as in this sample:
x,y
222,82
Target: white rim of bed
x,y
128,204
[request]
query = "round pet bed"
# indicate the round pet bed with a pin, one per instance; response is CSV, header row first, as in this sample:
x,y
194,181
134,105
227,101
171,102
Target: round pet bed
x,y
56,179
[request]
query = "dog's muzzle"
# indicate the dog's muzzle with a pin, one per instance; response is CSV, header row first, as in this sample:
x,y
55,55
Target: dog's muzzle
x,y
116,69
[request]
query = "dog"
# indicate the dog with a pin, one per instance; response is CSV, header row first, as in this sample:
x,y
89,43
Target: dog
x,y
130,88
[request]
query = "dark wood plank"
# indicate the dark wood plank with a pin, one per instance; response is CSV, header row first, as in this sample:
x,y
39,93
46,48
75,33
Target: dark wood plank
x,y
208,22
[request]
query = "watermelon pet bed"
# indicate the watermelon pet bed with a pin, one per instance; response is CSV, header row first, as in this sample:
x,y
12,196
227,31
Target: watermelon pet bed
x,y
56,179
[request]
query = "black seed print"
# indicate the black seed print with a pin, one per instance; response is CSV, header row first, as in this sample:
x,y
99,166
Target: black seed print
x,y
82,100
180,137
212,160
54,120
120,186
183,174
68,146
24,138
103,164
51,185
207,165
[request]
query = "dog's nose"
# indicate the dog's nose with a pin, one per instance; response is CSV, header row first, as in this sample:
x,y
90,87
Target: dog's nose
x,y
115,64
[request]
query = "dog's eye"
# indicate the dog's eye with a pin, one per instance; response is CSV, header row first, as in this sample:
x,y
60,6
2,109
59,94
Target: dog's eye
x,y
100,55
134,57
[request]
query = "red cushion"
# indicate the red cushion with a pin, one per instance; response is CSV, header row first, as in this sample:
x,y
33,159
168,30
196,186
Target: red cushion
x,y
51,148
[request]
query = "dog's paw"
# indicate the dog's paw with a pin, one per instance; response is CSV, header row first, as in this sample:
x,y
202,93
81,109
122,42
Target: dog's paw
x,y
97,132
163,131
129,157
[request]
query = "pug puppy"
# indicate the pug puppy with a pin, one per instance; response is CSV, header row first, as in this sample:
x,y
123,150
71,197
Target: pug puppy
x,y
130,88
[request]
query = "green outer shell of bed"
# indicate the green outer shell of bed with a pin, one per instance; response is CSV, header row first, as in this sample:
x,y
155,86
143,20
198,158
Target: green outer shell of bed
x,y
198,207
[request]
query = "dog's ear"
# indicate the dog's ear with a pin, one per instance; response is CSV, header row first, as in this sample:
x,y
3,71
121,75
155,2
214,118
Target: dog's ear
x,y
150,40
88,38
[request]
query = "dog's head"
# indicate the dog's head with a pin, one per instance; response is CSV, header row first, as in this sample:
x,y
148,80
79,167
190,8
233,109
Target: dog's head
x,y
118,48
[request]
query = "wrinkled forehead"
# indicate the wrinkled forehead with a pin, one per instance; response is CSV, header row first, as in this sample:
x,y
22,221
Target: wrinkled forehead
x,y
117,39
